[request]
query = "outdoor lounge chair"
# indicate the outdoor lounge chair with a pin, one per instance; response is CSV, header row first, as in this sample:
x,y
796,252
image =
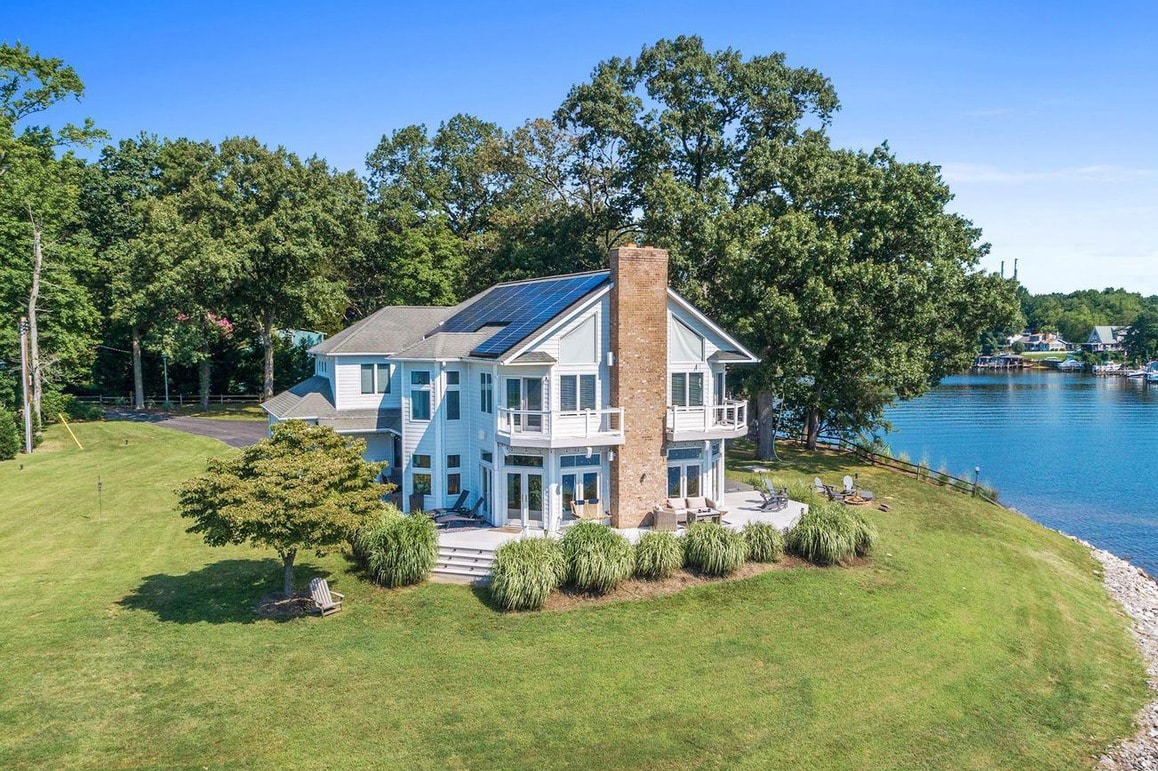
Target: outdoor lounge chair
x,y
324,598
459,506
828,491
460,516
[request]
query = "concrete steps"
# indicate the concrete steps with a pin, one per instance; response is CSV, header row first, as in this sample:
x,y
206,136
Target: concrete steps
x,y
463,565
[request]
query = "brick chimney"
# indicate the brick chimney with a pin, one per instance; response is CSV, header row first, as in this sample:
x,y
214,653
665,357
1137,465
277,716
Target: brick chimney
x,y
639,381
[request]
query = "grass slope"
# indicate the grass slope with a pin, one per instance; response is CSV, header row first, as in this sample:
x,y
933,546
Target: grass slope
x,y
975,639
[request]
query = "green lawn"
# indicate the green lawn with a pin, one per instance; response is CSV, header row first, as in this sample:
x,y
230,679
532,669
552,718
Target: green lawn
x,y
975,639
223,412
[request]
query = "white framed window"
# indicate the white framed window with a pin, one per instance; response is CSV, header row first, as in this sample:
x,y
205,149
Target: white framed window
x,y
577,392
687,389
486,392
375,378
452,398
419,395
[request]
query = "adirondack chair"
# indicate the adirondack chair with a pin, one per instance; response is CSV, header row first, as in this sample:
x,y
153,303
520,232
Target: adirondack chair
x,y
324,599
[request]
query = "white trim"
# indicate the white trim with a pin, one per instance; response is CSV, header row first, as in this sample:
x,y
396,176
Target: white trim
x,y
699,316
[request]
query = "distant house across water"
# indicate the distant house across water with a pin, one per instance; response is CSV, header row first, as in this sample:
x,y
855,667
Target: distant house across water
x,y
1105,338
1040,341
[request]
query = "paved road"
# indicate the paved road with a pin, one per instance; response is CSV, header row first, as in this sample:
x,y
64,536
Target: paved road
x,y
235,433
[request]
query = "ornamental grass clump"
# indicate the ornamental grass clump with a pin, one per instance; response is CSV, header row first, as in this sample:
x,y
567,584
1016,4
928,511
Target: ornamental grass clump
x,y
401,550
657,555
830,533
765,542
362,542
598,558
525,572
713,550
864,532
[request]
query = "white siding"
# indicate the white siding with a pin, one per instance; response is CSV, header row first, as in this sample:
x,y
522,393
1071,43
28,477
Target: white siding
x,y
347,382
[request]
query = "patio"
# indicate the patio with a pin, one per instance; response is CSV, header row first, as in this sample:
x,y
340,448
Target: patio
x,y
743,506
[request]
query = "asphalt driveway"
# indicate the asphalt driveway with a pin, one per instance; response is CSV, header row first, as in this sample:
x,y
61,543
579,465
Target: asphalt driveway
x,y
235,433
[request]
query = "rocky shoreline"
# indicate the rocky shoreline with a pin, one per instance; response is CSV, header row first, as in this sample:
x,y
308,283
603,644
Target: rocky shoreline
x,y
1137,593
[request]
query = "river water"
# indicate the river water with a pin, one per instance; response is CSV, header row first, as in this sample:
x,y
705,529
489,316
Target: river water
x,y
1076,452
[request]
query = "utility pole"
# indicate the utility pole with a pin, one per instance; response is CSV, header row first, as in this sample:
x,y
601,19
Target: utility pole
x,y
24,385
165,362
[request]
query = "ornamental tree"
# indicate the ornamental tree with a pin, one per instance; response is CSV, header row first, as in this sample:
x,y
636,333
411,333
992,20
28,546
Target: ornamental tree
x,y
306,487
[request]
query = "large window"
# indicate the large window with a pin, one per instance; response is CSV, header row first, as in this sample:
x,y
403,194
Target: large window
x,y
486,392
576,392
367,378
422,479
420,395
687,389
383,375
422,483
453,483
452,398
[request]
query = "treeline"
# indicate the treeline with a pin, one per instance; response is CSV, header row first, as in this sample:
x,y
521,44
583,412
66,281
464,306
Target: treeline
x,y
1073,315
843,269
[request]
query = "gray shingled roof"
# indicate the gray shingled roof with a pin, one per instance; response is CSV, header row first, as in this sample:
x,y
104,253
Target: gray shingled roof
x,y
310,398
387,330
447,345
1103,335
365,420
534,357
727,356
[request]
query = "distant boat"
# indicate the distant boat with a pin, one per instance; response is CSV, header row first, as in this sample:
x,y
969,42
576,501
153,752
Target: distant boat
x,y
1138,373
1152,372
1071,365
1113,368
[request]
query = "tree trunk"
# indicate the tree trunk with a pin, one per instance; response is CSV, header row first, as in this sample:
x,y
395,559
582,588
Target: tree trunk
x,y
204,367
267,349
138,375
812,428
288,573
766,429
33,325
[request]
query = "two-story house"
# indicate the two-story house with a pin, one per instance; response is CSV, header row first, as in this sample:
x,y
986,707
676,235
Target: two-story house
x,y
604,386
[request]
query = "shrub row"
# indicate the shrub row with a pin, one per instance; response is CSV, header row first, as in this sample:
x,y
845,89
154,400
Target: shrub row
x,y
594,558
399,550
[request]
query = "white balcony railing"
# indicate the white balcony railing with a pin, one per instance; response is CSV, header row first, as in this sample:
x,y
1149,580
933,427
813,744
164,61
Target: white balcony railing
x,y
729,417
544,424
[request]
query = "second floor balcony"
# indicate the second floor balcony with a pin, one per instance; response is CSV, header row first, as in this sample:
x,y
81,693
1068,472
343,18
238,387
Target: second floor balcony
x,y
728,420
545,428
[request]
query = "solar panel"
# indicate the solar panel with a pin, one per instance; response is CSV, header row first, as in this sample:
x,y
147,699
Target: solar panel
x,y
520,309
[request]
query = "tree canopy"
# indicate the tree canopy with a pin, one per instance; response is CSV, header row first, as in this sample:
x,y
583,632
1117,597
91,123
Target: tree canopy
x,y
305,487
846,270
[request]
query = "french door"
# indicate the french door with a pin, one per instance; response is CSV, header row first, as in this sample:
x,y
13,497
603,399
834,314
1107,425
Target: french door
x,y
525,497
525,394
683,480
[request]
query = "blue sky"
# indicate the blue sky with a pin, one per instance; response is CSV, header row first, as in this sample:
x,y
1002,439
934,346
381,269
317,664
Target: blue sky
x,y
1043,116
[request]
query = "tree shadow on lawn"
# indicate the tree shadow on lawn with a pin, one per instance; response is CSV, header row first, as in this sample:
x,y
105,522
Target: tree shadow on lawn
x,y
225,592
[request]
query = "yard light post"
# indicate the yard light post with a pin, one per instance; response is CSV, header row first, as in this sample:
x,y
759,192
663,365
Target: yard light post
x,y
24,385
976,476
